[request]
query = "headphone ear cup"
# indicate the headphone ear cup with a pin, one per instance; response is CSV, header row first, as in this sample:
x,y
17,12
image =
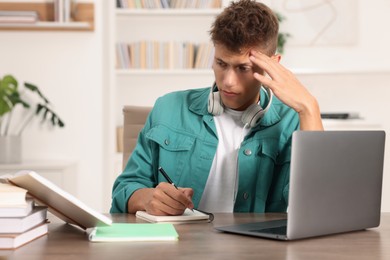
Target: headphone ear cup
x,y
252,115
215,106
255,112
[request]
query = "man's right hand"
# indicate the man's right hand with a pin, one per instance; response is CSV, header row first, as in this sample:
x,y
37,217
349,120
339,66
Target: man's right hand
x,y
165,199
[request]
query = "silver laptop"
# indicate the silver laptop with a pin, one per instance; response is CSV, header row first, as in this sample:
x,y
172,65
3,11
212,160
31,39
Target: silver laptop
x,y
335,186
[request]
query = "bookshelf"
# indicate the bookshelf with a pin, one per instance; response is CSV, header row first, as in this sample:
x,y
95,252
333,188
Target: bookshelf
x,y
135,86
82,17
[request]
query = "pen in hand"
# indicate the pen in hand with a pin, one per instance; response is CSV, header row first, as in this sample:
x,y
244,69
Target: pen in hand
x,y
161,170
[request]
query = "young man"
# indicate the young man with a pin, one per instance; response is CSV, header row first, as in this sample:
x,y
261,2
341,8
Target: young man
x,y
228,146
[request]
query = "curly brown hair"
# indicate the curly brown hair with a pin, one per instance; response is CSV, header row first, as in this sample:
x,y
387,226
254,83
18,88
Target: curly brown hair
x,y
246,24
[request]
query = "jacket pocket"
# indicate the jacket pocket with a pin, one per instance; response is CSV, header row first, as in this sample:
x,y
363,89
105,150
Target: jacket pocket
x,y
170,140
269,149
174,150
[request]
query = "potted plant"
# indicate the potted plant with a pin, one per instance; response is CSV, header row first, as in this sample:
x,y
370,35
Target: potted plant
x,y
12,96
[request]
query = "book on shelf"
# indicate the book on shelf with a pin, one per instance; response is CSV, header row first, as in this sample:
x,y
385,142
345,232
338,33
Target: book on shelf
x,y
164,55
18,210
188,216
133,232
21,224
62,11
15,240
19,17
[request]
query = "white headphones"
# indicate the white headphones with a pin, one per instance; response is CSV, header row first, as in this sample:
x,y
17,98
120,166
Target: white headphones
x,y
252,114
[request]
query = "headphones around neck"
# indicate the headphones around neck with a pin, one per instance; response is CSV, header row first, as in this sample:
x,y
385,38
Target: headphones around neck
x,y
251,115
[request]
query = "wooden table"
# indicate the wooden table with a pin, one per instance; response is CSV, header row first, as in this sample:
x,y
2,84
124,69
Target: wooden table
x,y
202,241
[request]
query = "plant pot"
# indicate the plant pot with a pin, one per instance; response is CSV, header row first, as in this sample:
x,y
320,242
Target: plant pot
x,y
10,149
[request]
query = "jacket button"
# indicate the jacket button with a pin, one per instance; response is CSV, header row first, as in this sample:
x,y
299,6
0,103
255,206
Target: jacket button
x,y
245,196
166,142
247,152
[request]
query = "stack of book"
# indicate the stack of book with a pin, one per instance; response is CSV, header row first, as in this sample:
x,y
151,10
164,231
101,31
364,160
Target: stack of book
x,y
20,220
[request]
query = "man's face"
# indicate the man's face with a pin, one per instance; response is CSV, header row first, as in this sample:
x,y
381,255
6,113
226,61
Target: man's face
x,y
234,77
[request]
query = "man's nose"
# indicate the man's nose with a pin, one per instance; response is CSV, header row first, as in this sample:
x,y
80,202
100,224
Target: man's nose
x,y
230,78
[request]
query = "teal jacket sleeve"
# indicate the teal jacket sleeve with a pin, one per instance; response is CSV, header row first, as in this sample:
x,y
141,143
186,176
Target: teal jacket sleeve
x,y
138,172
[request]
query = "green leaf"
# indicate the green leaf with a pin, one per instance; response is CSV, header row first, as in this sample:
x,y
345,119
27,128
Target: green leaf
x,y
8,94
34,88
55,120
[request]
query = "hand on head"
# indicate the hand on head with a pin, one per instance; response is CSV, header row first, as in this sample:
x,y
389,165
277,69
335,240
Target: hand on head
x,y
288,89
281,81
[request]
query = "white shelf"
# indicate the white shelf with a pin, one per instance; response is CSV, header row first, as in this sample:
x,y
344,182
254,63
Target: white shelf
x,y
191,72
167,12
48,25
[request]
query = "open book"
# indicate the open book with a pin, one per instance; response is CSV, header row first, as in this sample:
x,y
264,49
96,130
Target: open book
x,y
60,203
188,216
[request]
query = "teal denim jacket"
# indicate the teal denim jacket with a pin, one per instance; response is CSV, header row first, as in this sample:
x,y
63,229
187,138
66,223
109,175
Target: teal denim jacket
x,y
180,136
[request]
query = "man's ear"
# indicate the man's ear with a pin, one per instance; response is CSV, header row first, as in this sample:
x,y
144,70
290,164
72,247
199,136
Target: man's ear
x,y
276,57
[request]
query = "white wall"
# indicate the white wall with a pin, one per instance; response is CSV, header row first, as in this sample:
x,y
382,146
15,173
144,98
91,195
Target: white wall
x,y
67,66
70,68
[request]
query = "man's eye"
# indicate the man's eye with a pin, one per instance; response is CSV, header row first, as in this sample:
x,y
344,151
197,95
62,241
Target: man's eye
x,y
244,69
221,64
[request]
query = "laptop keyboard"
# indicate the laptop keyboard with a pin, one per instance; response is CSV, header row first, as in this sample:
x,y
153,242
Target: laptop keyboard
x,y
281,230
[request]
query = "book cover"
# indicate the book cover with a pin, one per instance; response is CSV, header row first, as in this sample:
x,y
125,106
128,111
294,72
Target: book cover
x,y
59,202
187,217
12,241
22,224
133,232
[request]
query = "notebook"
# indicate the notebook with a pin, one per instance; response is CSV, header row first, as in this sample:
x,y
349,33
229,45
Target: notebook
x,y
119,232
194,216
335,186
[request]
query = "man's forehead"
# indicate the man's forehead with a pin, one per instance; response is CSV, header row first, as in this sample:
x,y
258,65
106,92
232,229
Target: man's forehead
x,y
242,52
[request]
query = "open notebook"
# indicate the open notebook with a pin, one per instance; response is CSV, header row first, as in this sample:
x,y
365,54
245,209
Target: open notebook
x,y
188,216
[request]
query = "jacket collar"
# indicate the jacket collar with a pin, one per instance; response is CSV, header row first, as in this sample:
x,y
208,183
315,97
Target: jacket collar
x,y
199,103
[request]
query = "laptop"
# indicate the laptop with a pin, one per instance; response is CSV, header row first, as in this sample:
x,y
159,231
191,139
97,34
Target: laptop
x,y
335,186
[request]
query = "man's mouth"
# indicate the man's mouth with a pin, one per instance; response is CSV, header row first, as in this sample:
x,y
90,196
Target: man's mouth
x,y
228,93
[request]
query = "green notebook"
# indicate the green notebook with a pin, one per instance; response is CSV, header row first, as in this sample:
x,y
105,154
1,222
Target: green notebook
x,y
133,232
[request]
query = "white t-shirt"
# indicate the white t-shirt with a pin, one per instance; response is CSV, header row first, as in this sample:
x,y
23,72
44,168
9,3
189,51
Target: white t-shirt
x,y
221,187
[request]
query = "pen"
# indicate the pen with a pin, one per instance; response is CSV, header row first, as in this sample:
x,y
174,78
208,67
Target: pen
x,y
160,169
